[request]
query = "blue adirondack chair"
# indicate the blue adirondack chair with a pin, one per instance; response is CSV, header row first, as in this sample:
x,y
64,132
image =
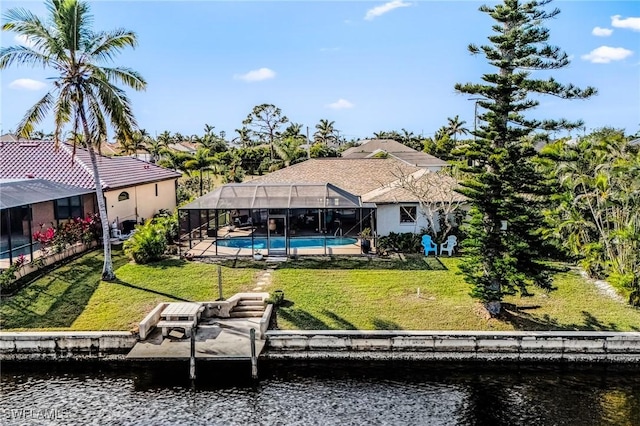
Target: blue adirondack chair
x,y
429,245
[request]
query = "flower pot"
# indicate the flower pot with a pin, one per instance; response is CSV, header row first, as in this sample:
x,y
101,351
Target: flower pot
x,y
257,256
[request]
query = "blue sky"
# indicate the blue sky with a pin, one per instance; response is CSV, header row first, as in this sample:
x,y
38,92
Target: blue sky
x,y
368,66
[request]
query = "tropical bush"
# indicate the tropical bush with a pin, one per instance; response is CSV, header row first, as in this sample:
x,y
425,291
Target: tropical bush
x,y
401,243
147,244
595,213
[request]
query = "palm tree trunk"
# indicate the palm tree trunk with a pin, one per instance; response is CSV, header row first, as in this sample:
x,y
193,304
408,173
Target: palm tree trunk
x,y
107,268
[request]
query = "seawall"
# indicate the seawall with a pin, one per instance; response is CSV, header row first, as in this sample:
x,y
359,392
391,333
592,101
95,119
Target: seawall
x,y
66,346
524,346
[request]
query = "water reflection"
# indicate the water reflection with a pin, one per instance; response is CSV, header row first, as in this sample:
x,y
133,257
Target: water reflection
x,y
324,394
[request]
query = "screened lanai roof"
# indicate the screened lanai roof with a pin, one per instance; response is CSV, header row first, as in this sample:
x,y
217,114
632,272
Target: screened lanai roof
x,y
275,196
22,192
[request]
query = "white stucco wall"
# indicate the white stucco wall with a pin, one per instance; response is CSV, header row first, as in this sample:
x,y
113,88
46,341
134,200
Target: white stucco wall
x,y
389,220
143,201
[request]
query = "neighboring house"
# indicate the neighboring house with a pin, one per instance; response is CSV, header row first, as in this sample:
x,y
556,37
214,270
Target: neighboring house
x,y
133,189
374,180
27,205
376,148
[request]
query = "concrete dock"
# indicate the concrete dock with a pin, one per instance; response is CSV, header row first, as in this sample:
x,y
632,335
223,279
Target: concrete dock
x,y
216,339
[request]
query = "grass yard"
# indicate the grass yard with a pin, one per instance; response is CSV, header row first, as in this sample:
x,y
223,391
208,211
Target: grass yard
x,y
385,299
351,293
73,298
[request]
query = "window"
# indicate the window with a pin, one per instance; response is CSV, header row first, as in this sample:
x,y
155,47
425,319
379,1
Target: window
x,y
67,208
123,196
408,214
156,189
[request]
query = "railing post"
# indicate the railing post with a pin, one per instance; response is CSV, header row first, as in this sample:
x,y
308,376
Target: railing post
x,y
220,282
254,358
192,360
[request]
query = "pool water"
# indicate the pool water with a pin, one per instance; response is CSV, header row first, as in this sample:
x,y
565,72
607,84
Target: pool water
x,y
279,242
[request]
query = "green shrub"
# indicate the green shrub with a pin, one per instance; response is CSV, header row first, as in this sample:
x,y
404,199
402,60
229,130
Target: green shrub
x,y
402,243
147,244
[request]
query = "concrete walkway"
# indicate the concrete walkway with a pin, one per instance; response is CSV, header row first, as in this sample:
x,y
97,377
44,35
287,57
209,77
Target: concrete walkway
x,y
264,279
216,339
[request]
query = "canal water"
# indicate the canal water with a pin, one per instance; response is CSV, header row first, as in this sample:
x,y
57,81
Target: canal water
x,y
325,393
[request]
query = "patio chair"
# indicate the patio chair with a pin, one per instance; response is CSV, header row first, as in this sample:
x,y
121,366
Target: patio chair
x,y
429,245
448,245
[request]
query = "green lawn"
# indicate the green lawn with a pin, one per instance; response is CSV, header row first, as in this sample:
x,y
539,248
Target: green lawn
x,y
388,300
344,294
73,297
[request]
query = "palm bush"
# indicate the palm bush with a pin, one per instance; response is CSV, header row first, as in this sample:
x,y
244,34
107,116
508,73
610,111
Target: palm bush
x,y
147,244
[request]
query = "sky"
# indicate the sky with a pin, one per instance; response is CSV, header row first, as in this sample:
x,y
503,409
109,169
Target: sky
x,y
367,66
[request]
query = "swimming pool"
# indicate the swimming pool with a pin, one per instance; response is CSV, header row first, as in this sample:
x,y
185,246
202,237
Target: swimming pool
x,y
279,242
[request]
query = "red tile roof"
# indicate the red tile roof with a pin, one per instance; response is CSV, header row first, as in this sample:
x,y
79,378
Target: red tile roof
x,y
41,160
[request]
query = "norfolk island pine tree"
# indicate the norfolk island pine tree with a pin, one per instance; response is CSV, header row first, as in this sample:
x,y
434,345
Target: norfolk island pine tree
x,y
504,186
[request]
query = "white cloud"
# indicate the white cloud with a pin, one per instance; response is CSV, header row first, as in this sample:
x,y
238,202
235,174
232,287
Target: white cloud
x,y
606,54
385,8
256,75
26,84
630,23
341,104
23,40
602,32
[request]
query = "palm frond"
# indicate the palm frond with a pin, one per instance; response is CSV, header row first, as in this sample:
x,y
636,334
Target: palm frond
x,y
21,55
34,115
126,76
106,44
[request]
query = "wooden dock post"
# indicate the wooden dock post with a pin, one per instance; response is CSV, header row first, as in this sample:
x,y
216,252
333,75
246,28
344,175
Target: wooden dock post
x,y
220,282
254,358
192,359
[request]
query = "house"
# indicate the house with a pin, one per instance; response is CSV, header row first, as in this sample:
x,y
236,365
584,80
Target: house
x,y
26,204
401,191
377,148
377,181
133,189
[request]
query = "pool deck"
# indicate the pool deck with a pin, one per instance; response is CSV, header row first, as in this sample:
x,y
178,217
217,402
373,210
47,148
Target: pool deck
x,y
207,248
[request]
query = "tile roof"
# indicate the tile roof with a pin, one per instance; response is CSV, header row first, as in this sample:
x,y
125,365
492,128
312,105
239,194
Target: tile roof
x,y
372,179
395,149
40,159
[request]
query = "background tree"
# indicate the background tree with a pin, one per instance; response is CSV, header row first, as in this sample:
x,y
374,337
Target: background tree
x,y
84,92
596,205
325,133
456,127
504,187
212,141
203,161
265,121
289,150
244,137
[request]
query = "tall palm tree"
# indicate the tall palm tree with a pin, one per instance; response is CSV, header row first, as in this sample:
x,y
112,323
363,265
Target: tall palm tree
x,y
326,132
203,160
456,127
155,148
244,137
84,91
288,150
165,138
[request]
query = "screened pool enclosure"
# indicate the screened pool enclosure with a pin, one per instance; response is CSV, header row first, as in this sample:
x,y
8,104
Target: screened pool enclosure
x,y
276,220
